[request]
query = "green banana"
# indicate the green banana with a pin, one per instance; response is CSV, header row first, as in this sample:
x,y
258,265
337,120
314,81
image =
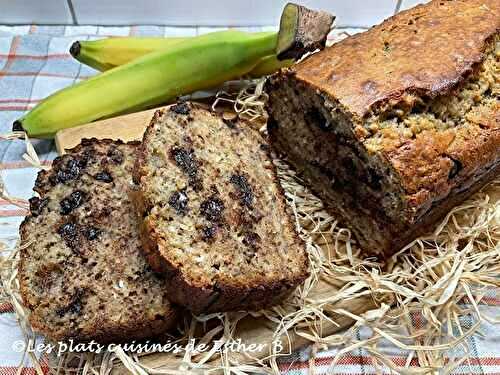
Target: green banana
x,y
105,54
269,65
159,77
108,53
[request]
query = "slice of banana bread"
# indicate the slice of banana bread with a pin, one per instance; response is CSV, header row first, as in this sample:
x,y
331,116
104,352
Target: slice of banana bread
x,y
82,273
214,215
394,126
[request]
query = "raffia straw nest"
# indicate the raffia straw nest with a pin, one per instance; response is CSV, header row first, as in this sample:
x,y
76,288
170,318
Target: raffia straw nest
x,y
442,277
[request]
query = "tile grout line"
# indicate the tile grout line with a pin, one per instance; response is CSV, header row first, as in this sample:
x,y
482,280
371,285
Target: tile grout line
x,y
72,12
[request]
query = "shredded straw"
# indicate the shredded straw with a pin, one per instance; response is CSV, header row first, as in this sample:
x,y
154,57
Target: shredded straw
x,y
427,296
248,102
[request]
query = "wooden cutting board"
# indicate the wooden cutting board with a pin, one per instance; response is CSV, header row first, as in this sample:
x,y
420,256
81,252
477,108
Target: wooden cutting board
x,y
250,330
127,128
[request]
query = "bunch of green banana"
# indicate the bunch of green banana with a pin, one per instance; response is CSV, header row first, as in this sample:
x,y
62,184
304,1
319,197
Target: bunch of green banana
x,y
108,53
161,76
154,79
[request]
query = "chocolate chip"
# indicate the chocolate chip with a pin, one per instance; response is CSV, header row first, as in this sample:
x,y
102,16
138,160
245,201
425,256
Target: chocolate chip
x,y
104,176
181,109
74,234
179,201
74,200
91,233
244,189
67,230
70,171
115,155
71,236
37,205
196,184
103,212
208,233
332,177
212,208
387,47
272,124
231,123
455,168
186,161
74,306
348,164
251,239
264,147
374,179
315,117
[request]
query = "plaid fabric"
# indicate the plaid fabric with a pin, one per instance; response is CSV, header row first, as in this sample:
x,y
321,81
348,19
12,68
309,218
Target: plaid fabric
x,y
34,63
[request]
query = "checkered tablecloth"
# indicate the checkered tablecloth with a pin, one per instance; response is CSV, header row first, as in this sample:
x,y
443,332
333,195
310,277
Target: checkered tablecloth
x,y
34,62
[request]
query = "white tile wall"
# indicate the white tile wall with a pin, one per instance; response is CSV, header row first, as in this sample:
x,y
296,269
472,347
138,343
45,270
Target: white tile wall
x,y
243,13
355,13
222,12
34,11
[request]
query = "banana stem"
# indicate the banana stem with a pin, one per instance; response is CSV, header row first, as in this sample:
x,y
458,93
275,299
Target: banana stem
x,y
302,30
269,65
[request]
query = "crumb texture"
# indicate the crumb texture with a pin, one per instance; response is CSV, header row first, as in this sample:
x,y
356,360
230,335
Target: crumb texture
x,y
213,208
82,273
474,103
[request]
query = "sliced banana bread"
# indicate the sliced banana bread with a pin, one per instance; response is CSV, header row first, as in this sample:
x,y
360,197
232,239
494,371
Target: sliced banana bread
x,y
394,126
82,273
214,215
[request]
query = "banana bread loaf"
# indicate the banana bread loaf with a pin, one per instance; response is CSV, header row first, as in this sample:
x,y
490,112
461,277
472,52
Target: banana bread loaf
x,y
394,126
82,273
215,220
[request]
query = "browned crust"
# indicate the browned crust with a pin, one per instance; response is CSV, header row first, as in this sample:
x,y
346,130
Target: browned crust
x,y
104,333
425,163
216,298
426,50
440,208
23,288
101,333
